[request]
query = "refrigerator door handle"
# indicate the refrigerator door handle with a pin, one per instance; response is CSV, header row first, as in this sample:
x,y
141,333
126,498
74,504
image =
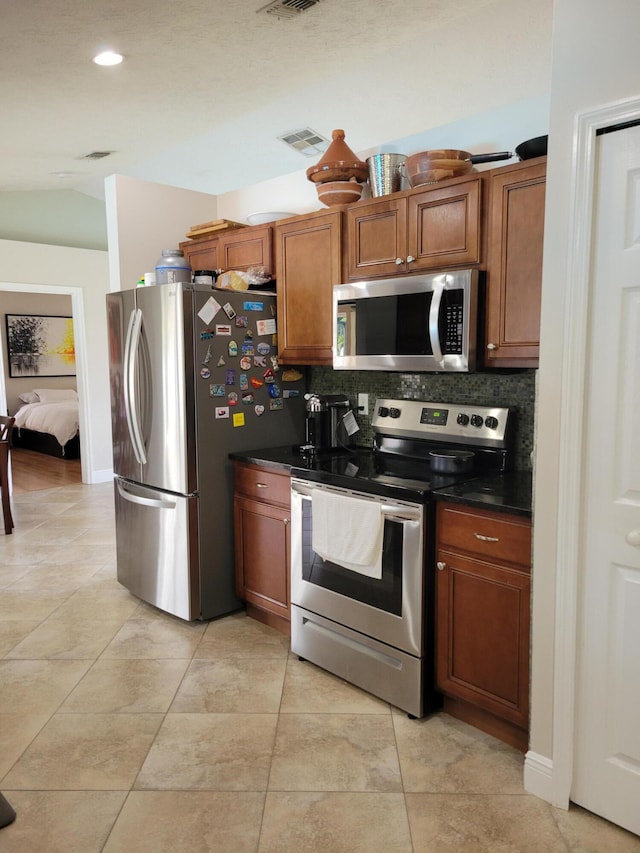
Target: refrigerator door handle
x,y
158,503
130,360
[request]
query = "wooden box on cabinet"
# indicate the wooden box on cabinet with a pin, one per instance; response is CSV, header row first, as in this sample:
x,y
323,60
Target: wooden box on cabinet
x,y
262,543
416,231
514,264
308,264
483,563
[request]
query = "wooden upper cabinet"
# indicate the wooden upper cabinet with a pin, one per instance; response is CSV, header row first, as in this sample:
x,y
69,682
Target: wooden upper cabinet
x,y
514,267
202,254
308,264
420,230
247,247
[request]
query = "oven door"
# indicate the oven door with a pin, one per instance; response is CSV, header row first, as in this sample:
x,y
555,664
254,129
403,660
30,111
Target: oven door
x,y
389,609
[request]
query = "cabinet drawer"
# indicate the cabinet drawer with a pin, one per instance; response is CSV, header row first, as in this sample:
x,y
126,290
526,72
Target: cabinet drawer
x,y
487,535
262,485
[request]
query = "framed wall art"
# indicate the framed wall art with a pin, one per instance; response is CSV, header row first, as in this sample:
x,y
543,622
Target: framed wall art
x,y
40,346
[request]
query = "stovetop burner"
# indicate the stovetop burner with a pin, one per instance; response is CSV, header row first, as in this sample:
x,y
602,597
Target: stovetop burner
x,y
398,466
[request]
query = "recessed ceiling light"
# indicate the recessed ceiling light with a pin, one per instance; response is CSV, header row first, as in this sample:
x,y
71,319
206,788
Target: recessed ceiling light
x,y
108,57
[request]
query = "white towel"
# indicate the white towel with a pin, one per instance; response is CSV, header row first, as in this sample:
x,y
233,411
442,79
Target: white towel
x,y
348,531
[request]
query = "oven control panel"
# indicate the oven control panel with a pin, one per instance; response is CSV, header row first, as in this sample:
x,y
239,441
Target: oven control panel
x,y
457,422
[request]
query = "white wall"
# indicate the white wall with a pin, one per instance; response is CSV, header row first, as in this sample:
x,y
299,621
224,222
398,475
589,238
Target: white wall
x,y
595,61
56,268
143,219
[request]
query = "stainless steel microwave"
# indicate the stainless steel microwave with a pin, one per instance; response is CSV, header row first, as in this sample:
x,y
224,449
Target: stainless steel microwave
x,y
410,323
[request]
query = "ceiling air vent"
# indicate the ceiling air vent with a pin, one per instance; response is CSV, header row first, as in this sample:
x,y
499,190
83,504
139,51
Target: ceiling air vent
x,y
287,8
306,141
95,155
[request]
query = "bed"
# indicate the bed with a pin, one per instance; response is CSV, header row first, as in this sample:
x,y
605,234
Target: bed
x,y
48,422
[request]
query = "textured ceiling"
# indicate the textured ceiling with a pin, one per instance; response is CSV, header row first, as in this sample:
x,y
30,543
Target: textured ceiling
x,y
207,86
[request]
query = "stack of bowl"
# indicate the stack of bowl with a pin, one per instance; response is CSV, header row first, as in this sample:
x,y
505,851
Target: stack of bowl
x,y
339,175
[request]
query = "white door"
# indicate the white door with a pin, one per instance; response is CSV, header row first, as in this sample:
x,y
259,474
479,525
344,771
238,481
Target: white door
x,y
607,747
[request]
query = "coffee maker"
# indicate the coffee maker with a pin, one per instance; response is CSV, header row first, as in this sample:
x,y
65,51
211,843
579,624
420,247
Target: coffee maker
x,y
323,421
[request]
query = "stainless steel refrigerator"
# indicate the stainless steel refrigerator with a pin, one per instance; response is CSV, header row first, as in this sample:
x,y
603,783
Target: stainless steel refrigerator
x,y
194,376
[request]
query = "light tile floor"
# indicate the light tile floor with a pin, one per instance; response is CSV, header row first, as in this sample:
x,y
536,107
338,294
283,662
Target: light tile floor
x,y
125,730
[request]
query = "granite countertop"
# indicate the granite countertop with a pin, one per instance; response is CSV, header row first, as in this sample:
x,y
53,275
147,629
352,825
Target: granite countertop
x,y
509,492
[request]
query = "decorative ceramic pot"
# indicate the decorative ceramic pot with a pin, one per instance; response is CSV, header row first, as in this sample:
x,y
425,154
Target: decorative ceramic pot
x,y
339,163
339,192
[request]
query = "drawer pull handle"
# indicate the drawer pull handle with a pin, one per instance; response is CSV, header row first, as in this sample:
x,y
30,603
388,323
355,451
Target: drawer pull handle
x,y
262,485
486,538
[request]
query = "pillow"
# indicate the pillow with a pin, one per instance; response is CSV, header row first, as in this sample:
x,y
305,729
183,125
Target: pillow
x,y
55,395
29,397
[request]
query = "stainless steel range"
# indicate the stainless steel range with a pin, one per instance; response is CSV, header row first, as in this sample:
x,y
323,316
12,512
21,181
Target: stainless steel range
x,y
362,544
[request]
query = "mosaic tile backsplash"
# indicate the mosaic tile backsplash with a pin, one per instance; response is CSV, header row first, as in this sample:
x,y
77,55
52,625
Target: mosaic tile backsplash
x,y
516,390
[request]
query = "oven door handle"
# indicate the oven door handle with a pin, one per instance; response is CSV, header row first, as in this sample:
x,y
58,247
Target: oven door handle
x,y
399,512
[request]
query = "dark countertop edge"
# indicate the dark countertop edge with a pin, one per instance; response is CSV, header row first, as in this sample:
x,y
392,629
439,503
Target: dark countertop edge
x,y
518,483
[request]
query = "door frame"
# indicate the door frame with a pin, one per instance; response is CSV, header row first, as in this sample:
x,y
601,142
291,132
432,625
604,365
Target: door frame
x,y
571,443
82,371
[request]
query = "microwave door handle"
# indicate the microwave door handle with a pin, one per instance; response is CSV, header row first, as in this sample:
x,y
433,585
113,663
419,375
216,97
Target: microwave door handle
x,y
434,315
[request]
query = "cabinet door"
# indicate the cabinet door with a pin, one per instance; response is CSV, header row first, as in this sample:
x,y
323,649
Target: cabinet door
x,y
482,645
202,254
308,263
262,546
514,270
377,238
444,227
247,247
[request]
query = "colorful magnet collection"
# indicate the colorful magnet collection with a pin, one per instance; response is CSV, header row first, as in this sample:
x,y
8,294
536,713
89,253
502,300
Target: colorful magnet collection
x,y
234,384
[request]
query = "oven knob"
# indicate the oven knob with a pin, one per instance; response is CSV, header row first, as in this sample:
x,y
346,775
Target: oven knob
x,y
395,413
476,420
463,419
383,412
491,422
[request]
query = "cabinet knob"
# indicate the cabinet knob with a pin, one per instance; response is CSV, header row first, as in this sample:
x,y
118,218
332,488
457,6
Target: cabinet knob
x,y
484,538
399,261
410,259
633,538
441,566
286,521
491,346
262,485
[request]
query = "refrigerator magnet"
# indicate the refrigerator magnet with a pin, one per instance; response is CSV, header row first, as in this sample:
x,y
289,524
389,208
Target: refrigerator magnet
x,y
205,373
209,310
249,335
207,357
248,398
253,306
228,310
242,321
222,412
248,348
217,390
259,409
263,348
290,393
223,329
276,405
232,398
259,361
244,382
266,327
256,383
269,376
274,363
206,335
274,391
221,361
238,419
233,348
230,378
245,363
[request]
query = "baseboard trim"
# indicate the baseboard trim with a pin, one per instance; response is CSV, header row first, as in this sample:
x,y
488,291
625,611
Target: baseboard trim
x,y
538,778
103,476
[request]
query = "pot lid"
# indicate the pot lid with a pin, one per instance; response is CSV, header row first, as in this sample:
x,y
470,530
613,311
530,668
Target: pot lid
x,y
338,156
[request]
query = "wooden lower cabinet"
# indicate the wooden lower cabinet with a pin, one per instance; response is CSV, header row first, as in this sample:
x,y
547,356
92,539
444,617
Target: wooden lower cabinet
x,y
262,543
483,619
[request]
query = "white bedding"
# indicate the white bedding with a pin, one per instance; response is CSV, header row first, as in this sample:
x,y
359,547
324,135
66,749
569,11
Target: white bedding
x,y
60,418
